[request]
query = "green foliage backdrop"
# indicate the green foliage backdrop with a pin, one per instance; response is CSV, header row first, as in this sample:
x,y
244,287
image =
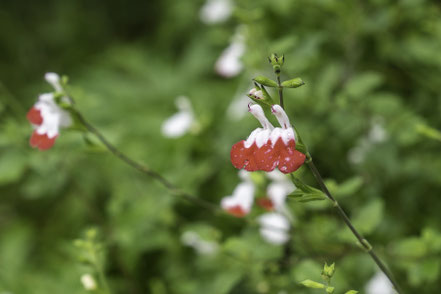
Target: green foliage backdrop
x,y
367,65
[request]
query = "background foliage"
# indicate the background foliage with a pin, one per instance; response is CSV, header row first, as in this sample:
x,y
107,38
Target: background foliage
x,y
368,66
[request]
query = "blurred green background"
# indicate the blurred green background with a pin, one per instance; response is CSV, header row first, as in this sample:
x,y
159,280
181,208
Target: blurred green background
x,y
370,113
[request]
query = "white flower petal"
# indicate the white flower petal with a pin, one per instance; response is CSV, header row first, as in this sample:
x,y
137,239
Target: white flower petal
x,y
215,11
379,284
181,122
274,228
229,64
54,79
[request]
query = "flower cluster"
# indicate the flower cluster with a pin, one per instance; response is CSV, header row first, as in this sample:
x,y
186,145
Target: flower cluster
x,y
268,147
274,225
47,117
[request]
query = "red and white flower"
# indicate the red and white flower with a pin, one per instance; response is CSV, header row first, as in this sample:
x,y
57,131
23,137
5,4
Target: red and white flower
x,y
268,147
240,202
277,190
46,117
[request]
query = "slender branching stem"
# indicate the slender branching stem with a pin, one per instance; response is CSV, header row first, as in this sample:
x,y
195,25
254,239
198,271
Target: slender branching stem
x,y
144,169
363,242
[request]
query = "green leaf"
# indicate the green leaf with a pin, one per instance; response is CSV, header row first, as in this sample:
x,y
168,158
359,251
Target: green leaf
x,y
301,196
428,131
369,217
265,81
312,284
351,292
293,83
12,166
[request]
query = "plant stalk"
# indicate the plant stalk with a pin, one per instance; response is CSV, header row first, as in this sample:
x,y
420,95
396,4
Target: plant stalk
x,y
363,242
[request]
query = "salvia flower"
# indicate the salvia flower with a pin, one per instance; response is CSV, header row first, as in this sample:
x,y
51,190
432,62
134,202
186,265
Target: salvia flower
x,y
274,228
379,284
240,202
229,63
277,190
46,117
216,11
181,122
267,148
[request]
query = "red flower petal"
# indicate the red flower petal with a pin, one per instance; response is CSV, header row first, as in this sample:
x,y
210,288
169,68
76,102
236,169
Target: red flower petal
x,y
34,116
243,157
46,143
251,162
265,203
41,141
237,211
289,158
266,158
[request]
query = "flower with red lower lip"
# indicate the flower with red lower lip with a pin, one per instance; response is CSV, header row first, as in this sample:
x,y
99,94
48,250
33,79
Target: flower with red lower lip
x,y
47,117
240,202
243,153
268,147
284,143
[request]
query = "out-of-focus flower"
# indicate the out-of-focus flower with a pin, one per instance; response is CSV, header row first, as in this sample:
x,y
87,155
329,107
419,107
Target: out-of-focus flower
x,y
215,11
376,135
181,122
229,64
47,117
274,228
379,284
278,189
88,282
240,202
268,147
192,239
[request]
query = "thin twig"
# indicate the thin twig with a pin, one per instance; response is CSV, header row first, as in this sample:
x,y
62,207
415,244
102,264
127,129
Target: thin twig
x,y
144,169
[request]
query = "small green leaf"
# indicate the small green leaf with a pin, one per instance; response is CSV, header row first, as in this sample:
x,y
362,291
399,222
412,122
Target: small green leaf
x,y
302,197
293,83
329,270
351,292
312,284
428,131
330,290
265,81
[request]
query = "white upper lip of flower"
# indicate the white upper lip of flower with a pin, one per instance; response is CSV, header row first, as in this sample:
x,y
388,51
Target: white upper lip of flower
x,y
260,136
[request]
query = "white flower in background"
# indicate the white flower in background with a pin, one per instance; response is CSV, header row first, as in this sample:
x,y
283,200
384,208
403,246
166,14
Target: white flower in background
x,y
274,228
181,122
215,11
240,202
278,189
192,239
376,135
88,282
229,64
379,284
47,117
235,109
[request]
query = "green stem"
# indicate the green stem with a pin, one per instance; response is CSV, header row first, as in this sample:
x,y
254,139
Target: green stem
x,y
142,168
280,89
364,243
